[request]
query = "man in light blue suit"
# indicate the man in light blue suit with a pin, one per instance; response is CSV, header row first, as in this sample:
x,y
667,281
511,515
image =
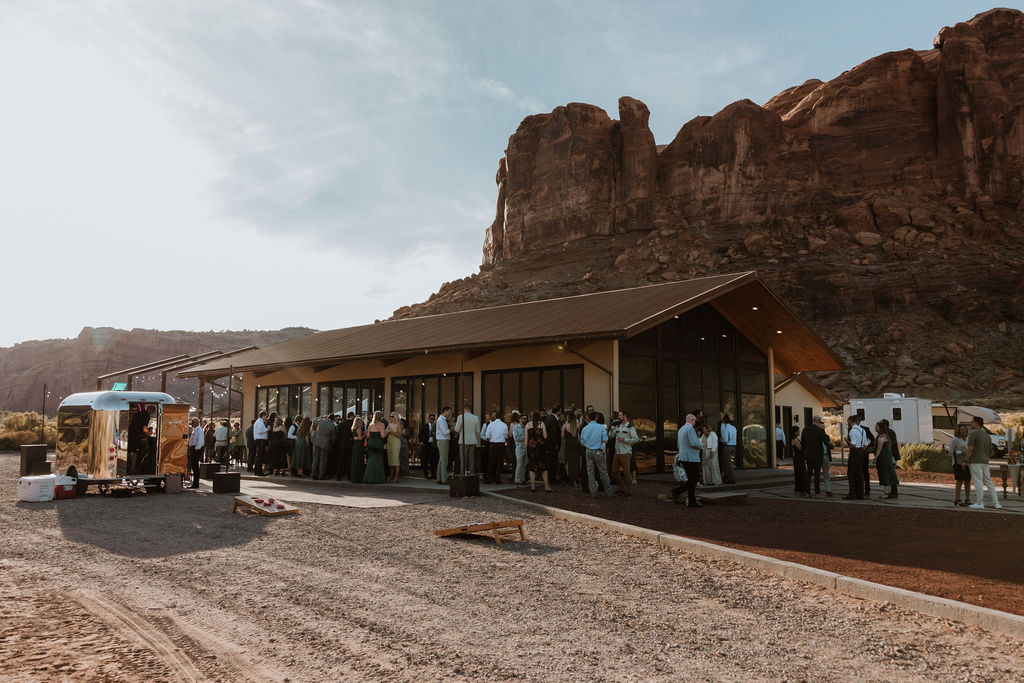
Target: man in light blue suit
x,y
688,449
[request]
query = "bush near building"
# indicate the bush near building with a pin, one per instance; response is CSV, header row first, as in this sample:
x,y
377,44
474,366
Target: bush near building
x,y
18,429
925,457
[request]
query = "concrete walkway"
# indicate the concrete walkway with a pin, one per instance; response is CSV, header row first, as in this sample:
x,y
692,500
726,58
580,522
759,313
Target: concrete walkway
x,y
910,495
771,484
410,490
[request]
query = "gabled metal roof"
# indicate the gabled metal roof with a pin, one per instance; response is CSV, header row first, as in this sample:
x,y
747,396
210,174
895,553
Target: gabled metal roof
x,y
620,314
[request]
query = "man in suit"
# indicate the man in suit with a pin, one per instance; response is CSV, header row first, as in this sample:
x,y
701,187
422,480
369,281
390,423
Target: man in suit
x,y
467,426
428,449
343,439
323,437
812,443
553,425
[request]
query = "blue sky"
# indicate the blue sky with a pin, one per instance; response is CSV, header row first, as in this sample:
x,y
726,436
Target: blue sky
x,y
259,164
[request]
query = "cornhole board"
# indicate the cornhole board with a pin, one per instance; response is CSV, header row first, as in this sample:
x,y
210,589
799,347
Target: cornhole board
x,y
497,529
278,508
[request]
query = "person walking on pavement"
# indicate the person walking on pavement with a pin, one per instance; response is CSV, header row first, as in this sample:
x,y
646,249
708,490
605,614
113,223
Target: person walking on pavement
x,y
688,451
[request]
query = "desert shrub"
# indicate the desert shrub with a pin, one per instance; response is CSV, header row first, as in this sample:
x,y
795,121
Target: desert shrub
x,y
925,457
1015,420
13,440
20,422
17,429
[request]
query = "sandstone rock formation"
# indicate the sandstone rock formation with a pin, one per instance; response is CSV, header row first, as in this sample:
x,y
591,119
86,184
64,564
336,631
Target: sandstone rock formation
x,y
887,199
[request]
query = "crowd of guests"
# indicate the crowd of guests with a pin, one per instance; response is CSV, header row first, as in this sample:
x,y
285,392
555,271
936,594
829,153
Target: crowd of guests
x,y
575,447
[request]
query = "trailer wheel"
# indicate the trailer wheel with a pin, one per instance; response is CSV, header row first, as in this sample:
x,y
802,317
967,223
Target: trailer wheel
x,y
104,489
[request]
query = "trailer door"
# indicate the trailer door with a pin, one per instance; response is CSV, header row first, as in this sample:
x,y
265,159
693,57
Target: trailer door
x,y
173,439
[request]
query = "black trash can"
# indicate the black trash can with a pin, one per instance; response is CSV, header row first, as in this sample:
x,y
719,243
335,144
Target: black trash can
x,y
33,460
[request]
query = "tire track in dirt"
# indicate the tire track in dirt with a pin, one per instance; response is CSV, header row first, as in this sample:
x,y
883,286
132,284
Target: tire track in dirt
x,y
115,615
193,653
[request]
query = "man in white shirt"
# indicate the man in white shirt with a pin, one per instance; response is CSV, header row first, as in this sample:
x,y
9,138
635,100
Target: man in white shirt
x,y
495,434
443,439
858,441
468,429
196,442
262,440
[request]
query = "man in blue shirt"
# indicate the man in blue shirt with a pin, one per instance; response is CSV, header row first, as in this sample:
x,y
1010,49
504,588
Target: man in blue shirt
x,y
780,442
688,450
593,438
727,452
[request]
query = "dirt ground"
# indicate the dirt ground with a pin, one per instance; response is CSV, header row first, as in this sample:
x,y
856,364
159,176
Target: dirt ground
x,y
973,558
177,587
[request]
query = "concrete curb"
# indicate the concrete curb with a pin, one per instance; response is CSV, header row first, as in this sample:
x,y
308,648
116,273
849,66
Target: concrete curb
x,y
942,608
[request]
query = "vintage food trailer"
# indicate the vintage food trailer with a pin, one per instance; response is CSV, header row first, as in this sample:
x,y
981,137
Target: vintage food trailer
x,y
122,437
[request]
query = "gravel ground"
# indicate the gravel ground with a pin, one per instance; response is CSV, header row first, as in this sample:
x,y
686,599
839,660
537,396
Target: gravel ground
x,y
947,552
177,587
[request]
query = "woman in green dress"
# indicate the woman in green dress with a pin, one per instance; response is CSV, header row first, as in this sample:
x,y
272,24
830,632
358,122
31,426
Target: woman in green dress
x,y
358,439
302,456
375,435
885,464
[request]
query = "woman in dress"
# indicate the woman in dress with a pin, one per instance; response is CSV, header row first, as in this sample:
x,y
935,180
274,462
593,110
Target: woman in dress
x,y
394,441
358,446
571,442
536,438
519,439
885,464
238,444
278,448
710,474
302,457
958,449
376,433
403,453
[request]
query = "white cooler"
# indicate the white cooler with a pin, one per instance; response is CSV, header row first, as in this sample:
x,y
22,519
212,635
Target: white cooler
x,y
37,489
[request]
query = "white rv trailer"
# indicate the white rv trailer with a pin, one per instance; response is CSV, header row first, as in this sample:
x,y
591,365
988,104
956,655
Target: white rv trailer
x,y
909,417
945,419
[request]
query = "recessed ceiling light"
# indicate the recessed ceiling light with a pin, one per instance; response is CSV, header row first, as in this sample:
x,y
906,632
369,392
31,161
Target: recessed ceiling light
x,y
778,331
754,308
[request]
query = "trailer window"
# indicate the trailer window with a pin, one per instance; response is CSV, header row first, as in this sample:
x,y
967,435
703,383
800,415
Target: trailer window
x,y
897,414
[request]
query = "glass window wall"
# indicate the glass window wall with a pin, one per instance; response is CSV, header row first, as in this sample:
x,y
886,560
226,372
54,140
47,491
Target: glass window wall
x,y
695,361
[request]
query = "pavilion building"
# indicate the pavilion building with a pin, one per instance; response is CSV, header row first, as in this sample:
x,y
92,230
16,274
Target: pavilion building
x,y
658,351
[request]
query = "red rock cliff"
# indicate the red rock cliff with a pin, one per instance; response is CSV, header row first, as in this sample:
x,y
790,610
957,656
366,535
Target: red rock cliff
x,y
885,204
933,124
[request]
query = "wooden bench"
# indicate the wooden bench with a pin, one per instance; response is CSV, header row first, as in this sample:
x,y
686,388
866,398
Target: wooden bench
x,y
497,529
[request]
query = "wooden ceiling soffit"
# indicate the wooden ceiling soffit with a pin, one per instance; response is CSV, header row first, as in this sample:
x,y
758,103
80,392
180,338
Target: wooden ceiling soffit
x,y
262,373
768,323
317,369
473,355
386,362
